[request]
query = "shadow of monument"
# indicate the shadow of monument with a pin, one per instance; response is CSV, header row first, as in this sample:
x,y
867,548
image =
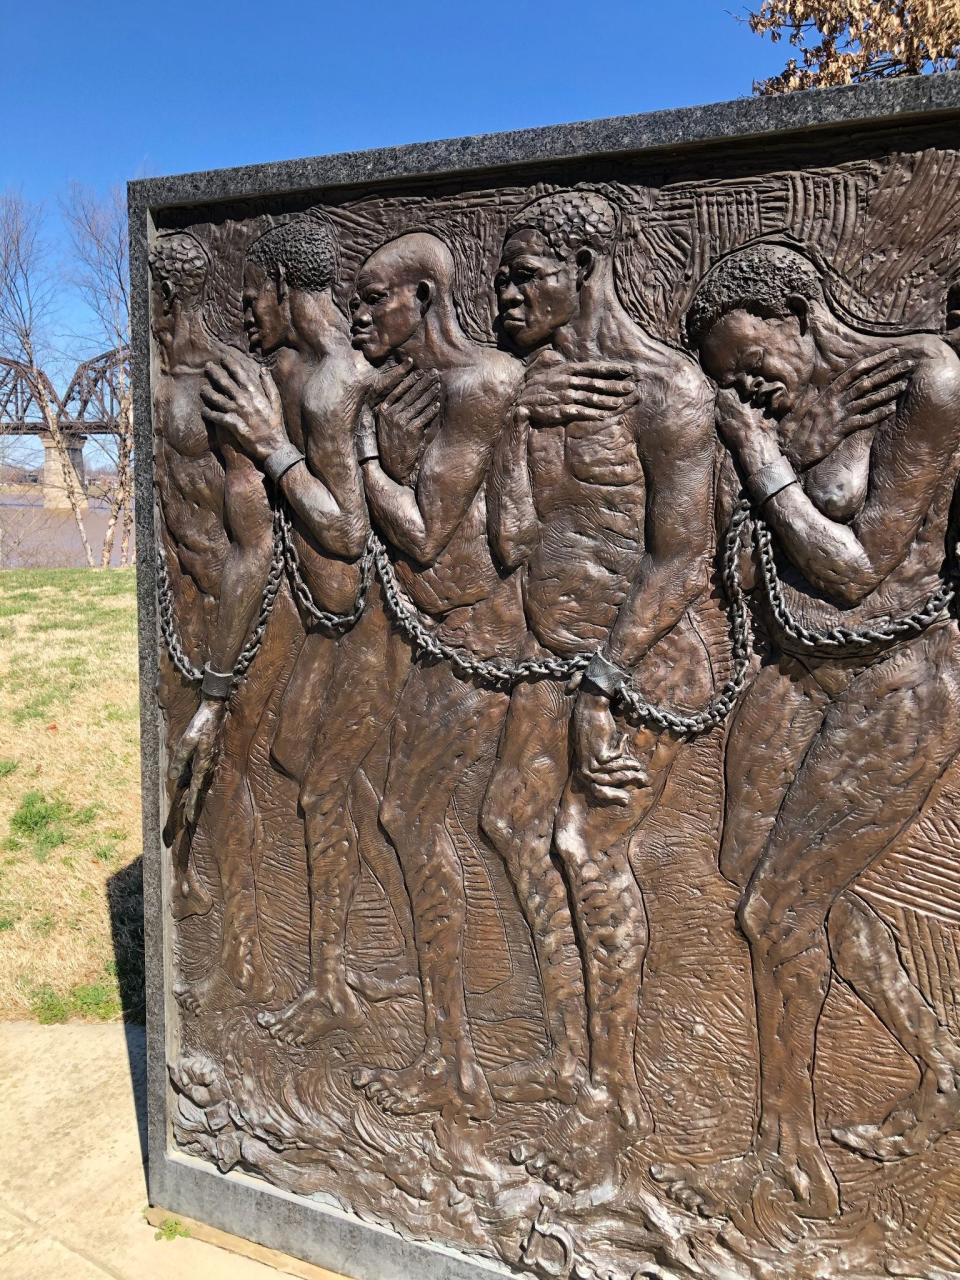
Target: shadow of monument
x,y
125,902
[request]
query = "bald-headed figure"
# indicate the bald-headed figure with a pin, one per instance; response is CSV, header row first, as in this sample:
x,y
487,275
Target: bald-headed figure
x,y
450,396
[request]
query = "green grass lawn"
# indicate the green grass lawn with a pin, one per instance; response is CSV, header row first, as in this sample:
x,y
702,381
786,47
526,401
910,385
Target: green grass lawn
x,y
71,931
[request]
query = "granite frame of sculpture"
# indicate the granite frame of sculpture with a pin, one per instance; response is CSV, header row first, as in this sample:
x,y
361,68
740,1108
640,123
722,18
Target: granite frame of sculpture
x,y
551,695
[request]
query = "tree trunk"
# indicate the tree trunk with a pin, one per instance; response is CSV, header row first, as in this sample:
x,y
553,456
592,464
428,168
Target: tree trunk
x,y
53,426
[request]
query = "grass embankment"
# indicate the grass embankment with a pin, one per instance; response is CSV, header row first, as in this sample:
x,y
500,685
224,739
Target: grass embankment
x,y
71,932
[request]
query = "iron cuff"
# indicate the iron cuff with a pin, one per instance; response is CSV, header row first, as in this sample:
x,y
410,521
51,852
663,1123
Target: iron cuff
x,y
278,463
216,684
603,676
767,481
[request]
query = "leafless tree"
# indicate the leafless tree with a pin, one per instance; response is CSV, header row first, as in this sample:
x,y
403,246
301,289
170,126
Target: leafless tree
x,y
842,41
27,287
98,234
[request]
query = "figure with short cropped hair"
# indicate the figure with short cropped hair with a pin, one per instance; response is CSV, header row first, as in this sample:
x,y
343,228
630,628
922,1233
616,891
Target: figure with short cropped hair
x,y
189,486
602,490
848,447
284,434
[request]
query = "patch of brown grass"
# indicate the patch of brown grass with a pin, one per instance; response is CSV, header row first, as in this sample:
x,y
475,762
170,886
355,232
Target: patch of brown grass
x,y
71,930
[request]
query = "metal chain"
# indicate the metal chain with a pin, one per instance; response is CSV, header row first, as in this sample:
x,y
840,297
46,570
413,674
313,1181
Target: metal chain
x,y
168,625
840,641
498,673
723,702
271,589
168,628
303,595
504,674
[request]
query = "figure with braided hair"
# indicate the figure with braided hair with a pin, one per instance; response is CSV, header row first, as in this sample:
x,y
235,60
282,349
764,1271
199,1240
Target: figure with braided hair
x,y
848,446
189,486
602,491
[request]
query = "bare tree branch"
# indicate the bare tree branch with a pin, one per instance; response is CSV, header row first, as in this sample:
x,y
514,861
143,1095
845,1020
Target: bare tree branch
x,y
26,305
98,233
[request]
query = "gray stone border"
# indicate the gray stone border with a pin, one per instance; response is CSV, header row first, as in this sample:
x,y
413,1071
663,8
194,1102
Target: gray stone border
x,y
236,1203
742,119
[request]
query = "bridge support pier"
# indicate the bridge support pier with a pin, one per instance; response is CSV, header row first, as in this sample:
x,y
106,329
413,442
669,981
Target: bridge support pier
x,y
55,484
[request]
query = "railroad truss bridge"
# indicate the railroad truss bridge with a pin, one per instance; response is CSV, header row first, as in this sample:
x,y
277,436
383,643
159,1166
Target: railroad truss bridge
x,y
92,405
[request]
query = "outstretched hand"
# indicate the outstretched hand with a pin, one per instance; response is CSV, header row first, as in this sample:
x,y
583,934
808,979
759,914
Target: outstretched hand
x,y
241,399
603,762
197,750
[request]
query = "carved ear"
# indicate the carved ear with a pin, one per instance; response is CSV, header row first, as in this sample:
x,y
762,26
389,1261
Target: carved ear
x,y
425,292
167,291
281,282
799,306
586,260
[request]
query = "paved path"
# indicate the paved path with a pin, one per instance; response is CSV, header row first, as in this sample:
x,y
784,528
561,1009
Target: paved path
x,y
72,1190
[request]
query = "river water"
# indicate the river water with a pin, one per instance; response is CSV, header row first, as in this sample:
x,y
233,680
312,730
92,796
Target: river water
x,y
32,537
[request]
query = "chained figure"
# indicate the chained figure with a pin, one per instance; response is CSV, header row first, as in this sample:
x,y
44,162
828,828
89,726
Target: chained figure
x,y
247,580
284,433
848,446
457,393
602,490
189,486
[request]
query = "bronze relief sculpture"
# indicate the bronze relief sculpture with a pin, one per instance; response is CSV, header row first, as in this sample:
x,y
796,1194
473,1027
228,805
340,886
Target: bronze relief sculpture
x,y
559,678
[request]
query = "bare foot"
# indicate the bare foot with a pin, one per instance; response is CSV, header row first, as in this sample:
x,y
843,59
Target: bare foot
x,y
581,1151
914,1124
188,896
432,1083
314,1014
711,1190
215,992
628,1104
385,982
554,1077
466,1146
718,1189
199,1078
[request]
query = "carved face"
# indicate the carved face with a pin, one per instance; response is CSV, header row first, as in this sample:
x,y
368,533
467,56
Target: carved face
x,y
385,310
769,362
263,318
536,291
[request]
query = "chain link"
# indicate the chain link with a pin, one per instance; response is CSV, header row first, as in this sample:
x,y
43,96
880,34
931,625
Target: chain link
x,y
497,673
502,673
723,702
505,674
271,589
168,624
168,627
841,641
303,595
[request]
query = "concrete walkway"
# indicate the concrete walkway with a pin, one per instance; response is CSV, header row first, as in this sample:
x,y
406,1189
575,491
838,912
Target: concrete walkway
x,y
72,1190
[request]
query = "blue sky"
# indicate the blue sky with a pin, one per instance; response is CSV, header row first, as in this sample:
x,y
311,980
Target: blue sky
x,y
105,91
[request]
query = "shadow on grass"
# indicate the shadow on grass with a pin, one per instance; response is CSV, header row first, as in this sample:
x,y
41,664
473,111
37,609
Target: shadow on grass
x,y
125,899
